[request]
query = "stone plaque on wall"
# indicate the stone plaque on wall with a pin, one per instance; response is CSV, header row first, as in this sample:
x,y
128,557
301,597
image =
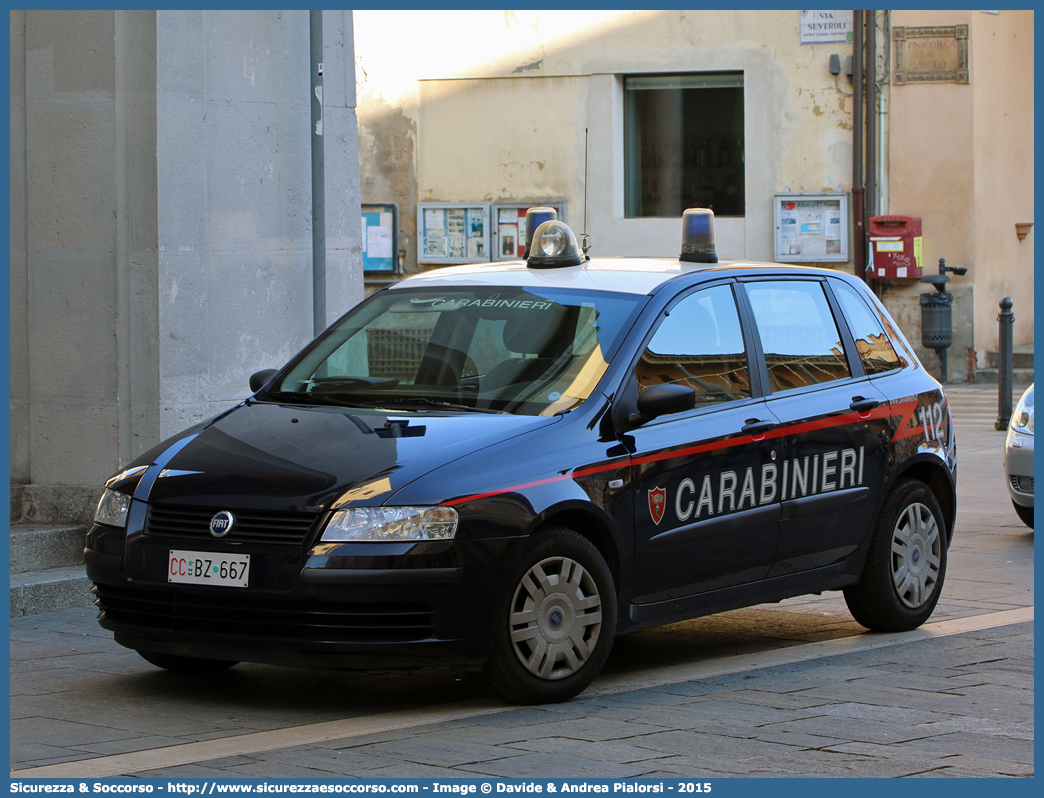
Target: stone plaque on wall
x,y
931,55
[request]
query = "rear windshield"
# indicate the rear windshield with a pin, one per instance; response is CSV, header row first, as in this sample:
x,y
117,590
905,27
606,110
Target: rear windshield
x,y
493,349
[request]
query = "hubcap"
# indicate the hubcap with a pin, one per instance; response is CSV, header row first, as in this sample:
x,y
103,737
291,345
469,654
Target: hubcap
x,y
916,555
555,618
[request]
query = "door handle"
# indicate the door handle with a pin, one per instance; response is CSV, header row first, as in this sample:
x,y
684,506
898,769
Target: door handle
x,y
861,405
754,426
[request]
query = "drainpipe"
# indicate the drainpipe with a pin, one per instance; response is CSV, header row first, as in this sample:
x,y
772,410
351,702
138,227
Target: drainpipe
x,y
315,19
883,201
870,198
858,217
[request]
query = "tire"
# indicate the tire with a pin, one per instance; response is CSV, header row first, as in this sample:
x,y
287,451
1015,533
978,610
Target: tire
x,y
179,664
1025,513
550,643
905,567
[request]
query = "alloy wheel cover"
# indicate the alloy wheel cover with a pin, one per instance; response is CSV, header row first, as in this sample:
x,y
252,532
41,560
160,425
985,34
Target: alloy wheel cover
x,y
916,555
555,618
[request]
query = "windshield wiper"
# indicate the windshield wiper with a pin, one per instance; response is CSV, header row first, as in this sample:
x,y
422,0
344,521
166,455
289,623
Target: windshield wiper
x,y
312,398
426,402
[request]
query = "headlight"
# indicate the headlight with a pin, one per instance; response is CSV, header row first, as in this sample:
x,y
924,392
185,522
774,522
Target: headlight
x,y
392,524
112,508
1022,418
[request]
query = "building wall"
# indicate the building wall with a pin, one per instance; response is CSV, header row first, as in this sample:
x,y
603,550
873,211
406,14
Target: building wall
x,y
1002,48
69,251
234,145
160,227
495,106
19,258
498,106
962,159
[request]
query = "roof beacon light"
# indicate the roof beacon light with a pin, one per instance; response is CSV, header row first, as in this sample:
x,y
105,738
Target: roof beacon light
x,y
698,236
534,218
554,245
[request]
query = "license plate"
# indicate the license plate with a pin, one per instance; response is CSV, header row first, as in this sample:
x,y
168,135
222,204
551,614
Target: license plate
x,y
208,568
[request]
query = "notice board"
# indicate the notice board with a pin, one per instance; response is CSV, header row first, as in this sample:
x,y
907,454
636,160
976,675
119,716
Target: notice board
x,y
811,228
453,232
509,226
379,226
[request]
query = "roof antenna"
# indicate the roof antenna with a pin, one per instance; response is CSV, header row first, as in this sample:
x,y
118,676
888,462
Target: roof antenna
x,y
585,246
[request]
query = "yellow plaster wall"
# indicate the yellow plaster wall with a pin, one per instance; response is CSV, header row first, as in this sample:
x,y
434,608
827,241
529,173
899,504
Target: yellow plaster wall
x,y
500,101
1002,49
961,157
492,105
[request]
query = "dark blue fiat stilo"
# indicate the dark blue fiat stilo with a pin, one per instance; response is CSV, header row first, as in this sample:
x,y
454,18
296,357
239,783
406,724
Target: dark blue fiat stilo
x,y
502,467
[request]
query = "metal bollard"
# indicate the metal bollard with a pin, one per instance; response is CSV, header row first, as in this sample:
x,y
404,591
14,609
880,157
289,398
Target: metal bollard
x,y
1007,364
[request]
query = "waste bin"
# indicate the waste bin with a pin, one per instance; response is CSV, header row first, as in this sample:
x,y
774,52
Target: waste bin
x,y
937,320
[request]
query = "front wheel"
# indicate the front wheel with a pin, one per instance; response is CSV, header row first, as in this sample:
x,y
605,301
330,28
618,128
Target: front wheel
x,y
906,564
1025,514
555,630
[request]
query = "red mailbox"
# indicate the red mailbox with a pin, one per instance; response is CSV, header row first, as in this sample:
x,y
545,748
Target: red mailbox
x,y
895,247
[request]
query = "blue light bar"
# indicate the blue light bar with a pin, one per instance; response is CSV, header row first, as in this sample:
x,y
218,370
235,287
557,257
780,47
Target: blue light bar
x,y
698,236
534,218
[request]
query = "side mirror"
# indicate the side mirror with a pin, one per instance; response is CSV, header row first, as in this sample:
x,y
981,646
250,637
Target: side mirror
x,y
662,400
258,379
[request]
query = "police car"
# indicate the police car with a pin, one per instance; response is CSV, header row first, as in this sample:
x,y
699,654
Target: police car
x,y
502,467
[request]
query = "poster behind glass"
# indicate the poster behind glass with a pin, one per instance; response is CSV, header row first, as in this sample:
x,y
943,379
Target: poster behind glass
x,y
453,233
811,228
379,225
509,226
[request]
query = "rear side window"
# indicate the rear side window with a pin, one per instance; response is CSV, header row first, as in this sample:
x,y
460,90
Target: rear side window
x,y
798,334
700,344
875,350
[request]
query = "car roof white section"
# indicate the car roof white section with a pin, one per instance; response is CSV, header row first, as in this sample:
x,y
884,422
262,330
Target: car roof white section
x,y
620,275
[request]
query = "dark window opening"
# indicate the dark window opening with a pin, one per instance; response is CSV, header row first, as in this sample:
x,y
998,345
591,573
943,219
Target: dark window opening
x,y
684,144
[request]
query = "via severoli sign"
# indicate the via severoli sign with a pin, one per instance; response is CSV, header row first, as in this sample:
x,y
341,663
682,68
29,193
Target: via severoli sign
x,y
826,27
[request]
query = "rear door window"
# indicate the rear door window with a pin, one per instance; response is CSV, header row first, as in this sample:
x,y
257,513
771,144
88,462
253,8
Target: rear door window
x,y
799,336
875,350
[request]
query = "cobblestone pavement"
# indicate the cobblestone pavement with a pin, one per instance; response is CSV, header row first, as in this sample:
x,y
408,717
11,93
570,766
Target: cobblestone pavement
x,y
791,689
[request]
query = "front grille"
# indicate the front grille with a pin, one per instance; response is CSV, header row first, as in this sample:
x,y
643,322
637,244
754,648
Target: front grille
x,y
260,616
1022,484
251,526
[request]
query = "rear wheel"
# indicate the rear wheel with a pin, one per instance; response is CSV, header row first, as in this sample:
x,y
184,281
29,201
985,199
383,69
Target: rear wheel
x,y
906,564
556,629
1025,513
180,664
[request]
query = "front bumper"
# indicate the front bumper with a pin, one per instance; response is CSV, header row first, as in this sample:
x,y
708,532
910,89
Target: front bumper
x,y
1018,467
356,605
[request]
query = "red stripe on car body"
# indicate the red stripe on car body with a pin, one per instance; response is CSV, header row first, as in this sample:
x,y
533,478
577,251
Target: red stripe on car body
x,y
904,410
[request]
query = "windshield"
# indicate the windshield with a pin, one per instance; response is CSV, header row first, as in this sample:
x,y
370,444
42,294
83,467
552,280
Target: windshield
x,y
486,349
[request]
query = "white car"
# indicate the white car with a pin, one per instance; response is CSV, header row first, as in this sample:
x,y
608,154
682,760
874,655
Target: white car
x,y
1018,458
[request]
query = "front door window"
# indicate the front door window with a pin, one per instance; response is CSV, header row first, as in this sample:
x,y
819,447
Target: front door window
x,y
706,493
